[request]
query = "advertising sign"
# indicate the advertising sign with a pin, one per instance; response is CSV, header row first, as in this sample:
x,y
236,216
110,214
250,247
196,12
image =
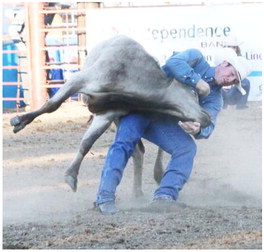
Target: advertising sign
x,y
162,30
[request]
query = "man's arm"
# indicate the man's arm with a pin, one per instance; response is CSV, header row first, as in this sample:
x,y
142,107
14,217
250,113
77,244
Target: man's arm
x,y
213,105
180,66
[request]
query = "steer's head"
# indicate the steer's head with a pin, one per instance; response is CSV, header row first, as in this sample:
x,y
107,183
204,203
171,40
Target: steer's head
x,y
186,104
202,117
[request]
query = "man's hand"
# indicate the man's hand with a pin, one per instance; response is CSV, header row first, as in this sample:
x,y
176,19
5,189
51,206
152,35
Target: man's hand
x,y
192,128
202,88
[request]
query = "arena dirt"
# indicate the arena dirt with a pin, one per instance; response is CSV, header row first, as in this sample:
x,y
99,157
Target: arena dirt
x,y
223,196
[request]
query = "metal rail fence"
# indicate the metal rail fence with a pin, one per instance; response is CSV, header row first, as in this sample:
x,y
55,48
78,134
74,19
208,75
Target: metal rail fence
x,y
50,37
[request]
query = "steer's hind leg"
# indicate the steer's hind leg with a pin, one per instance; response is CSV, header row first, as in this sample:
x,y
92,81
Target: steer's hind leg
x,y
138,157
158,167
72,86
99,125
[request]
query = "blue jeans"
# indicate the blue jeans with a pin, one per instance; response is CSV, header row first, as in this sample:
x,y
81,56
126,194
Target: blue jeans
x,y
161,130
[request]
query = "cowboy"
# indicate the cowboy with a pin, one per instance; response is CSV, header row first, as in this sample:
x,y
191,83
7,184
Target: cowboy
x,y
176,138
231,95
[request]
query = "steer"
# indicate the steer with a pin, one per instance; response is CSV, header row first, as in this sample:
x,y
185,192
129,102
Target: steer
x,y
119,76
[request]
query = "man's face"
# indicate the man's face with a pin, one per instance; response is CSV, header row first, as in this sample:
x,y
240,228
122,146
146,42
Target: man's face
x,y
226,75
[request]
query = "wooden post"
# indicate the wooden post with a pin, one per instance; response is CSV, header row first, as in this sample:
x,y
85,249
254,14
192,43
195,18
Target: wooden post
x,y
35,41
81,23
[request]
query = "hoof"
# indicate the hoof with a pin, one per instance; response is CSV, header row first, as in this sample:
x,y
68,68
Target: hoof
x,y
71,181
15,121
18,123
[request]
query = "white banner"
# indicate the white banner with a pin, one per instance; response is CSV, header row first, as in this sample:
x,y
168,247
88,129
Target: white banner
x,y
162,30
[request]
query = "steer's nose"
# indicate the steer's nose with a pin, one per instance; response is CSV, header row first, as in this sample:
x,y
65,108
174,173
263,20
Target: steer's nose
x,y
205,119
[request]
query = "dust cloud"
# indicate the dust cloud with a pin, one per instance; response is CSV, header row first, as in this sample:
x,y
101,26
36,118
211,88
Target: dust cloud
x,y
227,168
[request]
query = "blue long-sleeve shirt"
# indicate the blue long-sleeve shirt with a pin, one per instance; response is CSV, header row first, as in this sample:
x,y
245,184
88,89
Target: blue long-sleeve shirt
x,y
189,67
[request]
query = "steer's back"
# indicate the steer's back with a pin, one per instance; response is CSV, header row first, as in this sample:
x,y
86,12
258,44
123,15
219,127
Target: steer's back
x,y
123,64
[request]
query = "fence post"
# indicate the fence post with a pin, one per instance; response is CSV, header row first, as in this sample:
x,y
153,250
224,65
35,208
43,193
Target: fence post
x,y
35,43
81,22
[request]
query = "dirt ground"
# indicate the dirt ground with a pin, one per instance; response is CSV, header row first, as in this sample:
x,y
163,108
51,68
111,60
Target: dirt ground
x,y
223,196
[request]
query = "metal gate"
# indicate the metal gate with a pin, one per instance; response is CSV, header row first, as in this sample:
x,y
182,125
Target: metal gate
x,y
50,41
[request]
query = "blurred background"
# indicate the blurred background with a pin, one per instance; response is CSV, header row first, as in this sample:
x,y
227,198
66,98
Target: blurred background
x,y
43,43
